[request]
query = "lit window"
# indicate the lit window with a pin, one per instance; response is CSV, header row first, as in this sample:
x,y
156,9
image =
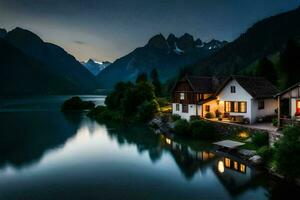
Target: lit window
x,y
243,107
235,165
181,96
207,108
236,106
227,106
243,168
298,104
227,162
261,105
232,89
221,166
177,107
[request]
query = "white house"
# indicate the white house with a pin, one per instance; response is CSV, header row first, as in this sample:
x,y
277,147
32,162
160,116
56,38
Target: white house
x,y
249,97
243,97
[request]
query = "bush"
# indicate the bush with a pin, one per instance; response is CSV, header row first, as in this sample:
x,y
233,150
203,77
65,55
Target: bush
x,y
266,153
147,110
202,130
181,127
209,115
75,103
218,113
175,117
194,117
102,113
274,121
165,117
260,139
287,152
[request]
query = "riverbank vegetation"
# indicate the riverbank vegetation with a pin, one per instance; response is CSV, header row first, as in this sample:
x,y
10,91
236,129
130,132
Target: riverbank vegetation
x,y
75,103
131,102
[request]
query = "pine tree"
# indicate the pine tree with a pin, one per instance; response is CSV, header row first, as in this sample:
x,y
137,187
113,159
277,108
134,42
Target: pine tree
x,y
155,81
142,77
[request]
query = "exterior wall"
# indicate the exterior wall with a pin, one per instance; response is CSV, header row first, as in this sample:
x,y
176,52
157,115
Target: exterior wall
x,y
293,106
213,107
191,111
295,93
270,106
240,95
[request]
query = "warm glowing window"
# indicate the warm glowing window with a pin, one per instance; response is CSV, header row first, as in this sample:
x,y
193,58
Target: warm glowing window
x,y
207,108
243,107
181,96
236,106
236,165
298,104
243,168
227,162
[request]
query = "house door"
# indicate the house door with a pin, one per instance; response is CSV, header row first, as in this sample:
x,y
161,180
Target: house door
x,y
298,106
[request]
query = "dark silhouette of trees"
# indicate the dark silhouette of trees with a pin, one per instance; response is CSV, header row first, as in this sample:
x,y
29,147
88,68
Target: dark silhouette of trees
x,y
156,83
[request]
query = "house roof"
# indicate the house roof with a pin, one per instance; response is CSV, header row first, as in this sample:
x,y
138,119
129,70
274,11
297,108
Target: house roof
x,y
288,89
203,84
257,87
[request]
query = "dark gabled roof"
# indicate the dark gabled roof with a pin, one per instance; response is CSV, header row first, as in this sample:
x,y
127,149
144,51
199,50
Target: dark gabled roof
x,y
288,89
203,84
257,87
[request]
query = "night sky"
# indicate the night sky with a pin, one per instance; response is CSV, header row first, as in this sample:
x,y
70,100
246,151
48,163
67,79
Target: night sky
x,y
108,29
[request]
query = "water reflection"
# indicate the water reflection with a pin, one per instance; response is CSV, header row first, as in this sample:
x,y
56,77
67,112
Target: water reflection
x,y
43,152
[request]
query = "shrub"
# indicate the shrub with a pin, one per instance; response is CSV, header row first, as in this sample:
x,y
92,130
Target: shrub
x,y
287,152
181,127
194,117
147,110
202,130
209,115
175,117
266,153
165,117
274,121
218,113
260,139
102,113
75,103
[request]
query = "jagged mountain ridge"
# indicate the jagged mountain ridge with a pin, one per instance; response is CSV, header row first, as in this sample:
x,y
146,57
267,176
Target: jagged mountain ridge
x,y
167,55
95,67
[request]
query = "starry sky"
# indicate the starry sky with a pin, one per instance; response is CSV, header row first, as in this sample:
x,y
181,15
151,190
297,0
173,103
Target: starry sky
x,y
109,29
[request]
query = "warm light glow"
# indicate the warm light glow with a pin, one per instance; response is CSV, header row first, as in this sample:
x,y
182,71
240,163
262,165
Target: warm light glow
x,y
243,134
221,166
205,155
168,141
243,168
227,162
236,165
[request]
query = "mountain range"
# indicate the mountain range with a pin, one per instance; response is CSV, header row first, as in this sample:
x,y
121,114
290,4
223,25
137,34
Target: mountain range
x,y
266,37
95,67
167,55
31,66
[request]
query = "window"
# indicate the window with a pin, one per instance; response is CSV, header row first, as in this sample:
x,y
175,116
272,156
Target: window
x,y
232,89
227,162
207,108
181,96
185,108
177,107
243,168
261,105
236,106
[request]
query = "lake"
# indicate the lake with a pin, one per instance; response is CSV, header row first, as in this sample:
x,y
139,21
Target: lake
x,y
46,154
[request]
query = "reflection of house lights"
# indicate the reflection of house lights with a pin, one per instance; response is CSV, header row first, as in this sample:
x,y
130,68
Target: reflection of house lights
x,y
243,134
168,141
221,166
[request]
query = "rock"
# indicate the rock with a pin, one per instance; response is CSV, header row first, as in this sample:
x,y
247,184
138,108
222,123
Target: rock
x,y
257,160
247,153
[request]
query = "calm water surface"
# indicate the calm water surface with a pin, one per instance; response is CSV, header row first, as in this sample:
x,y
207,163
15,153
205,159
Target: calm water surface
x,y
45,154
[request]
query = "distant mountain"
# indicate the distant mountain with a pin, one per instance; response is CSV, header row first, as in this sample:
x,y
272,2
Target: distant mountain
x,y
167,55
24,75
3,32
95,67
52,59
264,38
